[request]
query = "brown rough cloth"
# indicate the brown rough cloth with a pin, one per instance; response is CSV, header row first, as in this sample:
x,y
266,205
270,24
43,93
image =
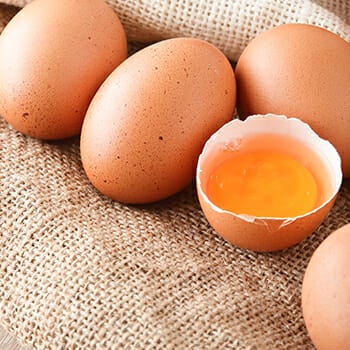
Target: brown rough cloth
x,y
79,271
228,24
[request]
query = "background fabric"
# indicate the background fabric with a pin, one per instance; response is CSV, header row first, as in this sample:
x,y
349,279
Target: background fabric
x,y
79,271
228,24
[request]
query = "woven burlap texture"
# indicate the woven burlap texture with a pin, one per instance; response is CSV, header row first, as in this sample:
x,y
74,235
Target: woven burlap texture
x,y
228,24
79,271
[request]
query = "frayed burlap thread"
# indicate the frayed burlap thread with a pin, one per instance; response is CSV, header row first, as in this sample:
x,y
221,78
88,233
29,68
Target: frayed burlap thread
x,y
79,271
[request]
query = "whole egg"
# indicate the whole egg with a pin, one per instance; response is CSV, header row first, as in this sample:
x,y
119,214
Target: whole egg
x,y
301,71
148,122
54,55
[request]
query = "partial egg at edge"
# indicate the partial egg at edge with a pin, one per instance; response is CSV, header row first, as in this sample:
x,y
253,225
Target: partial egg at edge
x,y
54,55
325,295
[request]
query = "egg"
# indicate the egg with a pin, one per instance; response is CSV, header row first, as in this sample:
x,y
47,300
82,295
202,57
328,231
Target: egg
x,y
301,71
54,55
148,122
326,292
267,182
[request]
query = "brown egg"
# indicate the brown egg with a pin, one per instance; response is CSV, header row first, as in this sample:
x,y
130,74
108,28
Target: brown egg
x,y
148,122
300,71
326,292
268,133
54,55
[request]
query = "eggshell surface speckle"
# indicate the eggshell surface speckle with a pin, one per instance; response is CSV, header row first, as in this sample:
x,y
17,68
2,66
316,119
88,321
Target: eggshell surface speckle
x,y
300,71
54,55
326,292
148,122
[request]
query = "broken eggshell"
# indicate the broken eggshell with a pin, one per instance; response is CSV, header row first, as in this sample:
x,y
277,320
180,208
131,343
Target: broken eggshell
x,y
265,234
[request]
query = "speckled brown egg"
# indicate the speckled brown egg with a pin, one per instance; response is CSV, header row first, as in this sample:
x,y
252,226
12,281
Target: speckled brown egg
x,y
148,122
54,55
326,292
300,71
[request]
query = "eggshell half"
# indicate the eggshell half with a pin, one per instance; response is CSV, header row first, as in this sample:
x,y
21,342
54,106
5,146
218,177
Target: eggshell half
x,y
326,292
54,55
266,233
301,71
148,122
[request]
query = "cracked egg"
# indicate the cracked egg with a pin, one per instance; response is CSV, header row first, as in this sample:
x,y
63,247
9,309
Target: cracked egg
x,y
268,182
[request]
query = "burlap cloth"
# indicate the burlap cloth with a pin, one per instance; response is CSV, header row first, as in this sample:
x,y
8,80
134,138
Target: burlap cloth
x,y
79,271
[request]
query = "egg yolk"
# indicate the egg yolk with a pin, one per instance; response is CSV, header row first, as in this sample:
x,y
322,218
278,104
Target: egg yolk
x,y
263,184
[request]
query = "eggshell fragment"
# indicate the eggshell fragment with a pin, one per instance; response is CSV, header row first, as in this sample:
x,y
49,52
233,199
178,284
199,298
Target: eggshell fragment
x,y
326,292
54,55
302,71
268,233
148,122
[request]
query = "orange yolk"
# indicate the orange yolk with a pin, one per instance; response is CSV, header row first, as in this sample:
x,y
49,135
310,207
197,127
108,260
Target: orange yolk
x,y
263,184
